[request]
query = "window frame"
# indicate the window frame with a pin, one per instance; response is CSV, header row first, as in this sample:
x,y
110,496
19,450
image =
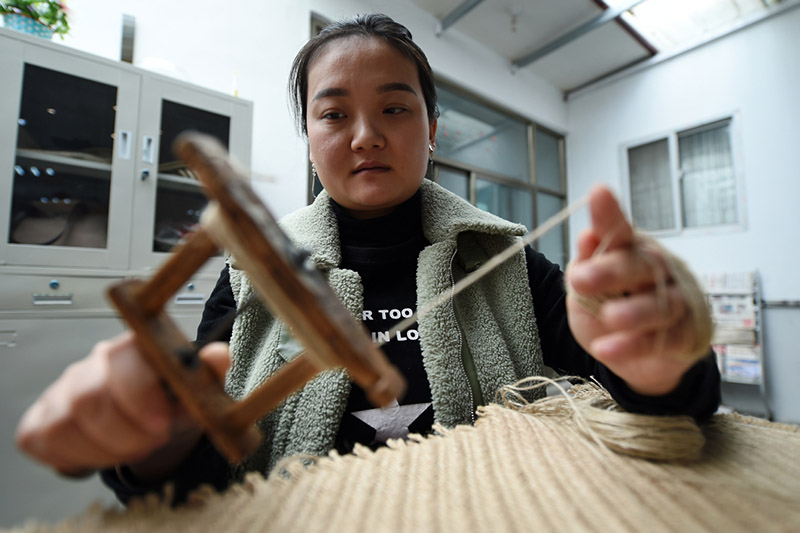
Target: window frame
x,y
676,176
473,173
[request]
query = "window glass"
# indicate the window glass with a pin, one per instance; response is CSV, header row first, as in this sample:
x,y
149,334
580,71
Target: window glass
x,y
708,184
507,202
651,186
454,181
481,137
548,161
551,244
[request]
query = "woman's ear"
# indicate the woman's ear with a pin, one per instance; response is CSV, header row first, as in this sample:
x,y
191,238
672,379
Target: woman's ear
x,y
432,132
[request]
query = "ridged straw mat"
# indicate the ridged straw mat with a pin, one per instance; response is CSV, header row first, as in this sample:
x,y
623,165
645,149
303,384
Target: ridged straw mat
x,y
510,472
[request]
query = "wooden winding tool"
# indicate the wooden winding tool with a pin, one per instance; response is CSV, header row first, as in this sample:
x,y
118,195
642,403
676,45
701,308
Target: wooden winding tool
x,y
283,277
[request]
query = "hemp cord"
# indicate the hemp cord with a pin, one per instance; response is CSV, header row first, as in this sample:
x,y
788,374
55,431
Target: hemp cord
x,y
598,417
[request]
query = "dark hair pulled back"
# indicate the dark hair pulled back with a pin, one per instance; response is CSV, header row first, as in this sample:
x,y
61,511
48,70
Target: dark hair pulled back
x,y
368,25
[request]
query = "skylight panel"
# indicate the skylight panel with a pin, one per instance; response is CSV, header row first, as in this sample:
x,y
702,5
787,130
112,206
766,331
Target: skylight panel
x,y
672,24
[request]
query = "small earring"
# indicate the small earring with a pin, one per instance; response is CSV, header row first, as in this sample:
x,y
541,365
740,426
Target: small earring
x,y
431,147
314,178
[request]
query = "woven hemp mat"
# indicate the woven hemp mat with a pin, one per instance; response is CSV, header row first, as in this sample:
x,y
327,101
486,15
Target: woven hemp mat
x,y
511,472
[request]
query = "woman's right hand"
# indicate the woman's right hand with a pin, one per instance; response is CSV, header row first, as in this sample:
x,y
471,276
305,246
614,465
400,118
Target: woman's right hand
x,y
111,408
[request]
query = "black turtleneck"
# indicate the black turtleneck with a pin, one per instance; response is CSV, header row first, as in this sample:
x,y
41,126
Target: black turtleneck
x,y
384,252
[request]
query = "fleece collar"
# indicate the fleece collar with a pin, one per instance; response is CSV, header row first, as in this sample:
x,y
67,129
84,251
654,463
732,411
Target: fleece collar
x,y
444,216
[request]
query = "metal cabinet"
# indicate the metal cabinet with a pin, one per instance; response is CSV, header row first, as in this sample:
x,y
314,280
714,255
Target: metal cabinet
x,y
66,193
89,195
85,161
29,363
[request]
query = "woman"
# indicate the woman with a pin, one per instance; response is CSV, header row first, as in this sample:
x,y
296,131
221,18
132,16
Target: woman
x,y
388,241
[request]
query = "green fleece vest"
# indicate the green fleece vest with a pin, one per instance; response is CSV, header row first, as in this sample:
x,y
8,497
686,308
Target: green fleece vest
x,y
486,334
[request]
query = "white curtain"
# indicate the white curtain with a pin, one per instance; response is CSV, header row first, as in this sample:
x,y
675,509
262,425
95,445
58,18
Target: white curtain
x,y
651,186
708,187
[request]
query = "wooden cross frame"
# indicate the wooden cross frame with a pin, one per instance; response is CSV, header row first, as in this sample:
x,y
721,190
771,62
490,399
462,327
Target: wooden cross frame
x,y
284,279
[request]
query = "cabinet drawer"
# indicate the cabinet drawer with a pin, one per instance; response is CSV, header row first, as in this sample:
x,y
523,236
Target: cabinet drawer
x,y
191,296
22,292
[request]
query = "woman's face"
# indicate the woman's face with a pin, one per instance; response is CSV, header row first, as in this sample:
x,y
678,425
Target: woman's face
x,y
367,124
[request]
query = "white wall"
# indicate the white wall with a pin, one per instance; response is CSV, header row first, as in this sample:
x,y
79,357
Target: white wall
x,y
250,44
754,73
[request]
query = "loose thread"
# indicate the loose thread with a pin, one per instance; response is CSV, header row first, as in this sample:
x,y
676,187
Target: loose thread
x,y
599,418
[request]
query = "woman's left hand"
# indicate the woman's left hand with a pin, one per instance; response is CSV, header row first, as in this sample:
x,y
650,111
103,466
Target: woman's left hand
x,y
635,335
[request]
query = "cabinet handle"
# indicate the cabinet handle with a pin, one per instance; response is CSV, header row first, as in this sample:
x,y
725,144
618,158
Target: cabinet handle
x,y
148,149
8,338
124,146
52,299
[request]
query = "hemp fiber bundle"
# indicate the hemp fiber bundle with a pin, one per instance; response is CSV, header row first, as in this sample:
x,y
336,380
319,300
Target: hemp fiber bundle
x,y
512,471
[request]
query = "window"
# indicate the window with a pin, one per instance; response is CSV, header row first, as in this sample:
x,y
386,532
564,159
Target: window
x,y
481,137
698,190
503,164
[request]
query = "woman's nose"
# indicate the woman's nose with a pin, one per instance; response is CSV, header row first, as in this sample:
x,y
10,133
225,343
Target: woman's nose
x,y
366,135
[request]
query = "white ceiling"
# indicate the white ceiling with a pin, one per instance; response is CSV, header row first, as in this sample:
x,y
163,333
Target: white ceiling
x,y
514,28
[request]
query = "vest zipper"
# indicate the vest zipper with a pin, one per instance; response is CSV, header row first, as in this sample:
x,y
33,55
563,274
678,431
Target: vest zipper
x,y
474,387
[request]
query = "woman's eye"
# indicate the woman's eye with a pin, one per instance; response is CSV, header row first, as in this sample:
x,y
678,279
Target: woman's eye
x,y
333,115
394,110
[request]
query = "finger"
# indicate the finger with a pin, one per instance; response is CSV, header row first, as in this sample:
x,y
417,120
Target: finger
x,y
608,221
75,423
617,271
135,388
76,451
217,357
587,244
101,421
56,441
617,347
646,311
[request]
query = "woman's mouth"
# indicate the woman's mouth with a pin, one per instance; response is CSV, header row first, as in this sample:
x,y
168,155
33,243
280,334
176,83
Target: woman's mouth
x,y
371,166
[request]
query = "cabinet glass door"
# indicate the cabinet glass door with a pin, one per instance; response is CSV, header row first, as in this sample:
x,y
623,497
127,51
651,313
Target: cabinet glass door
x,y
62,169
66,149
179,197
168,197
